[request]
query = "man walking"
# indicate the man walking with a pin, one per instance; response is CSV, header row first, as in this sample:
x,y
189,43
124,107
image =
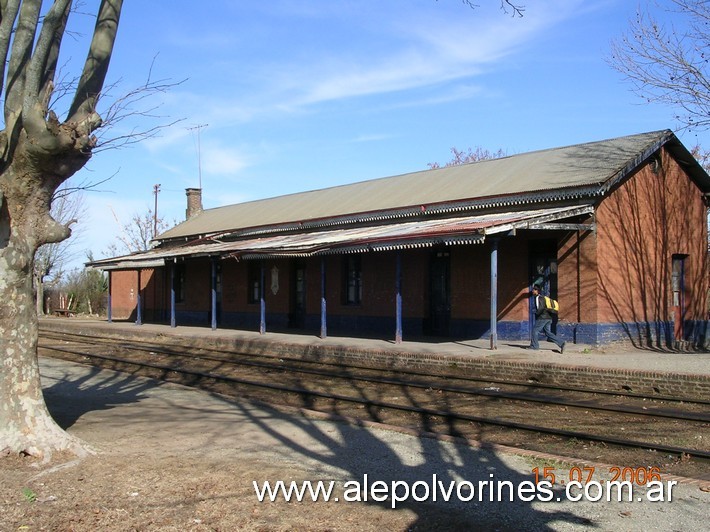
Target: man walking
x,y
543,322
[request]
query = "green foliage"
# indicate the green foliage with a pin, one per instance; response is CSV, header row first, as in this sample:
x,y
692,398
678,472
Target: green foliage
x,y
30,495
87,289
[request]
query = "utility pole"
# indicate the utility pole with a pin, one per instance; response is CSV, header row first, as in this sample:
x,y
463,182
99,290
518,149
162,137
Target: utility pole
x,y
156,190
199,158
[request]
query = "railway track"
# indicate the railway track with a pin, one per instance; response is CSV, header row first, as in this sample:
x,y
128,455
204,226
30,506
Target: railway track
x,y
541,417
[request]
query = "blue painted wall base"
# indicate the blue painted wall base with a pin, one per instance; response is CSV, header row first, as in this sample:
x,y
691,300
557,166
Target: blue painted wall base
x,y
640,334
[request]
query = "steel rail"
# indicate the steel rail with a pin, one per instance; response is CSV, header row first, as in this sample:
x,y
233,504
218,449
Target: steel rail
x,y
515,396
406,408
160,348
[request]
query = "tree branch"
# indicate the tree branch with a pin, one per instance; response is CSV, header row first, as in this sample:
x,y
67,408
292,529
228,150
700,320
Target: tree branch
x,y
516,9
52,58
19,59
10,8
83,108
125,107
41,68
669,67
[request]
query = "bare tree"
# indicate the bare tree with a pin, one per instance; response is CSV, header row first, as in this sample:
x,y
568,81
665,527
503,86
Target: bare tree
x,y
469,156
51,259
137,234
506,6
87,287
668,62
39,152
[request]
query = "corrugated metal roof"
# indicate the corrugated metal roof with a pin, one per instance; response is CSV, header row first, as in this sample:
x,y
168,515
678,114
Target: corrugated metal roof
x,y
403,235
581,170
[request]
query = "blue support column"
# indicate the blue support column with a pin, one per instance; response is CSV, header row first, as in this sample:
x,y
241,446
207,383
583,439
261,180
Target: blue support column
x,y
172,294
108,310
214,293
323,314
139,310
494,294
262,302
398,300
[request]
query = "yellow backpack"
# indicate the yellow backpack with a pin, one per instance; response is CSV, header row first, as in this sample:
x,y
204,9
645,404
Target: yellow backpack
x,y
551,304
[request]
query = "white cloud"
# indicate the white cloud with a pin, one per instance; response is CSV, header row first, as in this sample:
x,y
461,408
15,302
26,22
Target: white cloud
x,y
222,160
398,48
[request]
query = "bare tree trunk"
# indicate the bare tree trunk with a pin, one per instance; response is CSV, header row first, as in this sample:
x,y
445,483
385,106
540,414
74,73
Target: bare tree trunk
x,y
27,186
25,424
37,154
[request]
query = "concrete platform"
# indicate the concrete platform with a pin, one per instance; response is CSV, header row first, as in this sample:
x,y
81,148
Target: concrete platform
x,y
619,367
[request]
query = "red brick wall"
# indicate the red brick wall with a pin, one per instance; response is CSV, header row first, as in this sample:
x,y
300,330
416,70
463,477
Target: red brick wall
x,y
577,276
234,285
235,279
198,280
280,301
650,217
471,280
124,294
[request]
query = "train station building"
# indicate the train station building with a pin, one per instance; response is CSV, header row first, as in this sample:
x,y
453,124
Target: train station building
x,y
615,230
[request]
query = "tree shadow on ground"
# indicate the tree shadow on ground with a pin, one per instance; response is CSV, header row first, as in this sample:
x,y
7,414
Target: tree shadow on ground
x,y
369,455
67,399
333,450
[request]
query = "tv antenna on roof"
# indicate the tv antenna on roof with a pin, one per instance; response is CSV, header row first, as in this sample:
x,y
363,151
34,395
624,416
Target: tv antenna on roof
x,y
199,160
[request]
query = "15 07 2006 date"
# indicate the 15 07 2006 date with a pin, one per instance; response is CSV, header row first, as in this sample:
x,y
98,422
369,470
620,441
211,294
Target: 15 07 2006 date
x,y
585,474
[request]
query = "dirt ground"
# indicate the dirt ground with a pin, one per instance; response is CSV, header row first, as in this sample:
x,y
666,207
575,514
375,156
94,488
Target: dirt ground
x,y
162,462
172,458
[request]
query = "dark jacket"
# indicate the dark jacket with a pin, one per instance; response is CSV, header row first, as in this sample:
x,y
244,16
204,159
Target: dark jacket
x,y
541,312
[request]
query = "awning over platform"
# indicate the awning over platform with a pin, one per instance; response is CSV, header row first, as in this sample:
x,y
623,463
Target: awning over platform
x,y
383,237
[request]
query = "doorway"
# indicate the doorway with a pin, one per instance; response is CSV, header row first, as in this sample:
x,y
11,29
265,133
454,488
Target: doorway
x,y
678,304
440,293
297,314
543,271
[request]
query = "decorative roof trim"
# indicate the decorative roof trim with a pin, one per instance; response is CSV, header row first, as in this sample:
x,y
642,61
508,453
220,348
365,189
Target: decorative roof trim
x,y
410,234
366,248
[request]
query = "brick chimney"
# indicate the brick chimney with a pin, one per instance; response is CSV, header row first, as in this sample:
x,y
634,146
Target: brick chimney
x,y
194,202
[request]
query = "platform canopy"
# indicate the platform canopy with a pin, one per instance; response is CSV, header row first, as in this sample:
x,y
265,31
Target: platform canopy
x,y
384,237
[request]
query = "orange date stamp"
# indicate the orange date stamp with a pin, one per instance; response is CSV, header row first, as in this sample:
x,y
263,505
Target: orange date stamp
x,y
585,474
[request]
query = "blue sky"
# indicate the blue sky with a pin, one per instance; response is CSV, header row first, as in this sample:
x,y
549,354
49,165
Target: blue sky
x,y
304,94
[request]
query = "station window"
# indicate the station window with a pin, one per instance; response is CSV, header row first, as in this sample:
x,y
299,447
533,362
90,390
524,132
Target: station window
x,y
352,273
254,286
678,280
179,282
